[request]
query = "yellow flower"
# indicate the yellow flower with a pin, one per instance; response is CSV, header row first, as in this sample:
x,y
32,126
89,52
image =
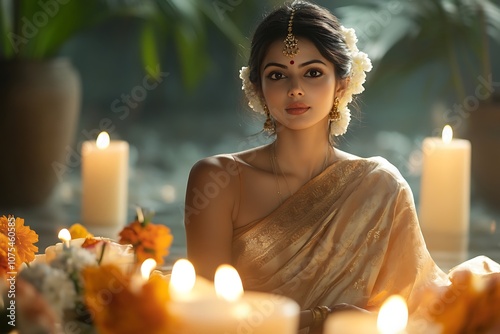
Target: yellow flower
x,y
79,231
109,297
149,240
25,238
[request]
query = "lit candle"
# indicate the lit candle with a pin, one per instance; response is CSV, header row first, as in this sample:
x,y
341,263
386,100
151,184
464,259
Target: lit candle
x,y
393,316
233,311
138,279
184,285
391,319
182,280
65,237
227,283
445,193
105,182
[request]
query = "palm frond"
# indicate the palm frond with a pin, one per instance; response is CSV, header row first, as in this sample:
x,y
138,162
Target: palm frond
x,y
449,32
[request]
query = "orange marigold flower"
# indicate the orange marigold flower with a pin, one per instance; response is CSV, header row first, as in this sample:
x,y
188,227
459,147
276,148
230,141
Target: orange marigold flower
x,y
4,252
139,312
79,231
149,240
25,238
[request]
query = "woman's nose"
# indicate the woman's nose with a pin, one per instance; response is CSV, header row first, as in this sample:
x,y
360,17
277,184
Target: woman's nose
x,y
295,89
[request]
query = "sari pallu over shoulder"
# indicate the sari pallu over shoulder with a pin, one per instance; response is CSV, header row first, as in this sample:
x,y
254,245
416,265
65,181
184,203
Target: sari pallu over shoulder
x,y
349,235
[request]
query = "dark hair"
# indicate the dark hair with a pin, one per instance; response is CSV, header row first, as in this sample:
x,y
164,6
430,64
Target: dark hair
x,y
310,21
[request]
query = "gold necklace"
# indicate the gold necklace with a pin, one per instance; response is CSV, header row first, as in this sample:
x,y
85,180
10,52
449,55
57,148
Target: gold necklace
x,y
275,162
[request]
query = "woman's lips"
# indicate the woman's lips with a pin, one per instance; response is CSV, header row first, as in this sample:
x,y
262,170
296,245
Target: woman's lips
x,y
296,108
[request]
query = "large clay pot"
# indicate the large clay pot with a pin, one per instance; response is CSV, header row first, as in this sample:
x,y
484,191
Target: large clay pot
x,y
39,110
484,134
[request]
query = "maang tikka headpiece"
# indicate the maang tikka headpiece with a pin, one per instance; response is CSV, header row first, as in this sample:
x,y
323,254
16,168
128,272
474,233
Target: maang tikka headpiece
x,y
291,43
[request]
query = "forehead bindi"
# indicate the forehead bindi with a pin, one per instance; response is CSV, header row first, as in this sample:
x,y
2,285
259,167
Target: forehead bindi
x,y
308,52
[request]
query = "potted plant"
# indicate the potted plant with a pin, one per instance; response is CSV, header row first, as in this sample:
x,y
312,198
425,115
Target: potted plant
x,y
40,92
405,36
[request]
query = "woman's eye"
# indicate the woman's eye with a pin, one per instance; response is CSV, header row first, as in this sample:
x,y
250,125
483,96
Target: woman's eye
x,y
314,73
275,76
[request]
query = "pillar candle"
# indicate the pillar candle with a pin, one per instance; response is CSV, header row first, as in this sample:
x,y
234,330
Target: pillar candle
x,y
445,191
105,182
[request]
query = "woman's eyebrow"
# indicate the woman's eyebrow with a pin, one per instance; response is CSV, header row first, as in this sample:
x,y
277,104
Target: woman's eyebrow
x,y
314,61
276,64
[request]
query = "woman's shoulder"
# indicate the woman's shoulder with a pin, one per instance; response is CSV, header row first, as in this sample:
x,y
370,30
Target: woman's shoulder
x,y
387,173
220,166
375,168
229,163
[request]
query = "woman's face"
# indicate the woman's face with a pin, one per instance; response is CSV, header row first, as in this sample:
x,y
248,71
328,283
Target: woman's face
x,y
298,91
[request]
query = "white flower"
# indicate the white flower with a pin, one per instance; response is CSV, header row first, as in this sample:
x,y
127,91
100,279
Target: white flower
x,y
254,100
350,38
74,260
360,65
339,128
115,253
59,291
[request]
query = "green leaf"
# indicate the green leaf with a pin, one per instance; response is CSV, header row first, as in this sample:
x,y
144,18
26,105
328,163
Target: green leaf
x,y
149,51
64,23
42,28
446,32
192,55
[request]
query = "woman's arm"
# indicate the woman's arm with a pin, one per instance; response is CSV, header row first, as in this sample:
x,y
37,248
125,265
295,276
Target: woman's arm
x,y
211,197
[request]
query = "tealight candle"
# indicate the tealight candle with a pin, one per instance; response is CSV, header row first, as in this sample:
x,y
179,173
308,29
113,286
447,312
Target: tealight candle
x,y
104,182
65,237
138,279
234,311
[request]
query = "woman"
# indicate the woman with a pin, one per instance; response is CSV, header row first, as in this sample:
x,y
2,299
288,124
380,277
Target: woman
x,y
299,217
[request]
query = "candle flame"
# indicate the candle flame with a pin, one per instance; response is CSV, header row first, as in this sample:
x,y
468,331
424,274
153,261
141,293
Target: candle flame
x,y
227,283
102,140
393,316
147,267
447,134
183,278
64,235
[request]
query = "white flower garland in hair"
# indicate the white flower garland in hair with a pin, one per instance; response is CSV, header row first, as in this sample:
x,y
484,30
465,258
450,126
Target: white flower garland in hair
x,y
254,100
360,65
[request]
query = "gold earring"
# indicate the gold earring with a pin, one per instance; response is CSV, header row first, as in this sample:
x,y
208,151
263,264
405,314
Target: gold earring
x,y
268,124
334,113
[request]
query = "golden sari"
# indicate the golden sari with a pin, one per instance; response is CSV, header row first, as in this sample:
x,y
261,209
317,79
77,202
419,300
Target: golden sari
x,y
349,235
